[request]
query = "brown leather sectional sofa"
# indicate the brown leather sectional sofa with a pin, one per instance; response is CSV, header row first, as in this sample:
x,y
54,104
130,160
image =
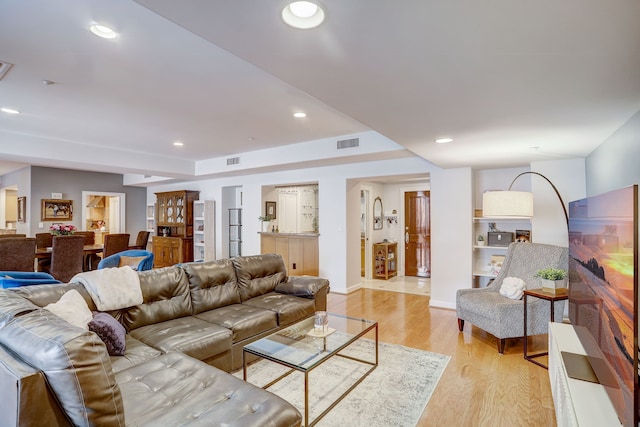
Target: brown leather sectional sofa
x,y
189,330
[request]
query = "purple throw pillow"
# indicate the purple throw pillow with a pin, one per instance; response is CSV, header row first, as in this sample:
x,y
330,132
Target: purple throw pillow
x,y
110,331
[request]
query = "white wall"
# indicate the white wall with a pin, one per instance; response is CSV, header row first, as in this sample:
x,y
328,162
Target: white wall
x,y
548,224
22,180
451,228
614,164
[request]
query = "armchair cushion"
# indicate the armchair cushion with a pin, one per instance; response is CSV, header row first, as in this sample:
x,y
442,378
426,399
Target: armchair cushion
x,y
131,261
14,279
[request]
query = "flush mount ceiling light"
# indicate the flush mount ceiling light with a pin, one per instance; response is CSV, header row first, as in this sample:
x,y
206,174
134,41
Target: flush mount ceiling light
x,y
299,115
303,14
443,140
9,110
178,143
103,31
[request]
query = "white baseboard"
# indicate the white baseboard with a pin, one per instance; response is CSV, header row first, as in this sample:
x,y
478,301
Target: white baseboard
x,y
442,304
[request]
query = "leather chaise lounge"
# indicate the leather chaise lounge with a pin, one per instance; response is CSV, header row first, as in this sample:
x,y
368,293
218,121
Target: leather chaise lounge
x,y
181,342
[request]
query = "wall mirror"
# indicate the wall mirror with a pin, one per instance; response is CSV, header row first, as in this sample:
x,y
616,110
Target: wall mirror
x,y
377,214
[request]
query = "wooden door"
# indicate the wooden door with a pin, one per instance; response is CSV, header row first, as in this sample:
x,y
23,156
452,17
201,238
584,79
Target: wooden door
x,y
417,221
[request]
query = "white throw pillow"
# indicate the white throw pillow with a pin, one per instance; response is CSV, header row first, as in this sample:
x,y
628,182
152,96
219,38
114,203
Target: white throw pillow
x,y
512,287
72,308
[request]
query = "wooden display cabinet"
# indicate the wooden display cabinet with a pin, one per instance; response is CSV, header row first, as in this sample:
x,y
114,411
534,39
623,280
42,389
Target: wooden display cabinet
x,y
385,260
173,242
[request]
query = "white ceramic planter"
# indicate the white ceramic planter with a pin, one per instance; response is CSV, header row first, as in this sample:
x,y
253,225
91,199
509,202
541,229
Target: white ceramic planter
x,y
554,285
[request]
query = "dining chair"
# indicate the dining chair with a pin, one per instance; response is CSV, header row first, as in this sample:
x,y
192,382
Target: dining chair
x,y
12,235
67,257
89,237
141,240
90,260
44,240
17,254
114,243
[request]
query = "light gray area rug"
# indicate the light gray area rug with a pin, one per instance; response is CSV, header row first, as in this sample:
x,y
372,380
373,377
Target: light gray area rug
x,y
394,394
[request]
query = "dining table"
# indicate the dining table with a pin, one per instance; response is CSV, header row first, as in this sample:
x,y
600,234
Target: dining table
x,y
43,253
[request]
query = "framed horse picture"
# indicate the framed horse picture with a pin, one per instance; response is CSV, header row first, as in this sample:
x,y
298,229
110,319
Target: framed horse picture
x,y
56,210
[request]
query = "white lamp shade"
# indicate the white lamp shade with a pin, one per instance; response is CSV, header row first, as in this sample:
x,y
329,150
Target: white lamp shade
x,y
504,204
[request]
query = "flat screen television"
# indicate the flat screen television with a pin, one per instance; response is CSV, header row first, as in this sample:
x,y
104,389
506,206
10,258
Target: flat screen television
x,y
603,293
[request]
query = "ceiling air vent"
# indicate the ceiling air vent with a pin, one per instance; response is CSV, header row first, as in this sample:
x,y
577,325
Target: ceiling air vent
x,y
233,161
4,68
348,143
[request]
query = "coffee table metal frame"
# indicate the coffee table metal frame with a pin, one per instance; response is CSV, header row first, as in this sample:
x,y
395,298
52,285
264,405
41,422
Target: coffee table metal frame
x,y
297,332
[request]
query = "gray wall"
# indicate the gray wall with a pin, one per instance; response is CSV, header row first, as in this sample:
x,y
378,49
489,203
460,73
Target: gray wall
x,y
614,164
72,183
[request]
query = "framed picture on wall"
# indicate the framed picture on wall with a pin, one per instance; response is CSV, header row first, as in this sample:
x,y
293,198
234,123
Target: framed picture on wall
x,y
56,210
270,210
22,206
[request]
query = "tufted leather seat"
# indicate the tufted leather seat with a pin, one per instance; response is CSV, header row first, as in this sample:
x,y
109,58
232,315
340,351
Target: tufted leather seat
x,y
174,389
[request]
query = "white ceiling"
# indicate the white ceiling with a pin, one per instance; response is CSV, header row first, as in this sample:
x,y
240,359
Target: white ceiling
x,y
499,77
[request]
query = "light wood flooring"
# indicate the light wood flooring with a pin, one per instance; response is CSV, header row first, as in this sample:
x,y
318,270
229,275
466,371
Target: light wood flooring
x,y
479,386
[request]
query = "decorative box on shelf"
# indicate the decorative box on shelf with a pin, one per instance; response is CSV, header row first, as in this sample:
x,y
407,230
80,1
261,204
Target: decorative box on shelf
x,y
500,238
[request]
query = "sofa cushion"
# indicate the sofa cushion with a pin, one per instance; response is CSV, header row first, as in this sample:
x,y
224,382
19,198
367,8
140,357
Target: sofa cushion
x,y
74,362
244,321
72,308
136,353
289,309
165,292
42,295
13,305
259,274
188,335
175,390
213,284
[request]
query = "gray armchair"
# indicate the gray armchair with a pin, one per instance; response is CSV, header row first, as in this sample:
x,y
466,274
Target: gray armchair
x,y
503,317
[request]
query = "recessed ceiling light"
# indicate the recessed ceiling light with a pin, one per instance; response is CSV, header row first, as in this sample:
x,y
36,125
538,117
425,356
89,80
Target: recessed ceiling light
x,y
103,31
303,14
299,115
178,143
9,110
443,140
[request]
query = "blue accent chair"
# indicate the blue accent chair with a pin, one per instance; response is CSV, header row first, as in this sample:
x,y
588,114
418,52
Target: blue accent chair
x,y
114,260
14,279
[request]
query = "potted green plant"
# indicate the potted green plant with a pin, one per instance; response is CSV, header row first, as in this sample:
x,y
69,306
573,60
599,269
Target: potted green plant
x,y
554,279
480,240
265,223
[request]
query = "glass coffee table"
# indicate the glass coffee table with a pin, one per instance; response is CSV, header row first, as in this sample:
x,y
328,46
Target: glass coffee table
x,y
300,348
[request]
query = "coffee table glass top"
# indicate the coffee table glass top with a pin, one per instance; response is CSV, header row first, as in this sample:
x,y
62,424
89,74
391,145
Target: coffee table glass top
x,y
298,347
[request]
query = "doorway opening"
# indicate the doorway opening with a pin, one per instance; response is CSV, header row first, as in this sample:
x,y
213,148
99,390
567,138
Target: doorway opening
x,y
413,272
103,212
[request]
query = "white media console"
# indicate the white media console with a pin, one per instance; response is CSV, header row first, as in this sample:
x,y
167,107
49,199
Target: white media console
x,y
577,402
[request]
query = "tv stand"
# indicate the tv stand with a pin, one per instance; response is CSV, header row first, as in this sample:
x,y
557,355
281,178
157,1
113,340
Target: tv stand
x,y
577,402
